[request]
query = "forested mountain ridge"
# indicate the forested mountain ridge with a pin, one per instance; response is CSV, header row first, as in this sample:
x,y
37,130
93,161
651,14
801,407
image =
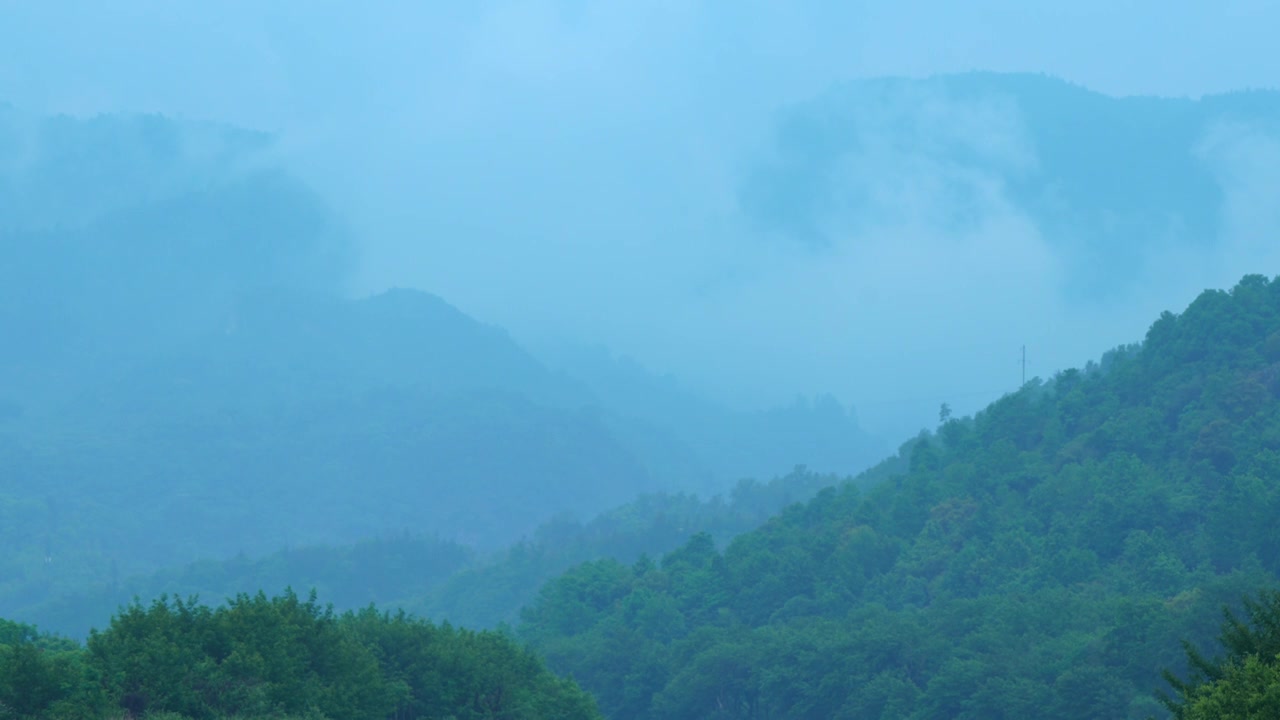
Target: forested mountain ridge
x,y
431,577
1041,559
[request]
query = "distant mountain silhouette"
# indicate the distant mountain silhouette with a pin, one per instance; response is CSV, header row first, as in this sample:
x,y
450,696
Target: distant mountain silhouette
x,y
1109,182
182,377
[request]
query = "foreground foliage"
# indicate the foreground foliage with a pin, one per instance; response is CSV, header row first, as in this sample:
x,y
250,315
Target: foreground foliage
x,y
1042,559
277,657
1245,683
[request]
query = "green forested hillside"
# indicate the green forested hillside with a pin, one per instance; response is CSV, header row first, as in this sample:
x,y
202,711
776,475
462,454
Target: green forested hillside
x,y
279,657
1041,559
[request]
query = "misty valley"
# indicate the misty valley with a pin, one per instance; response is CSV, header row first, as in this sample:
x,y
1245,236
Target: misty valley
x,y
237,481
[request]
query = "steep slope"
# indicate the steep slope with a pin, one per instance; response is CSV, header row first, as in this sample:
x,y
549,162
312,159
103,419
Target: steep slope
x,y
1041,559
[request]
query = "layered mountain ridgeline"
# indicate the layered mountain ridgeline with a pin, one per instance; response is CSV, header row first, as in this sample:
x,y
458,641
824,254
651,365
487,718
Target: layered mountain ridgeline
x,y
433,578
1116,186
1041,559
818,432
182,378
494,592
279,657
239,446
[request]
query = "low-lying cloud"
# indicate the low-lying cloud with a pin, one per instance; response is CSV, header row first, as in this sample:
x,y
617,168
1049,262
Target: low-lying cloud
x,y
629,174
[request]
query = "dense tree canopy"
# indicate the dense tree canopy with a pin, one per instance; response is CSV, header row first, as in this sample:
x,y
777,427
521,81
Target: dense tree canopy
x,y
259,656
1041,559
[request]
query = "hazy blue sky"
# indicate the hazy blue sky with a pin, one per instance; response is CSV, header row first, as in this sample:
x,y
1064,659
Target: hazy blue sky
x,y
571,169
282,64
